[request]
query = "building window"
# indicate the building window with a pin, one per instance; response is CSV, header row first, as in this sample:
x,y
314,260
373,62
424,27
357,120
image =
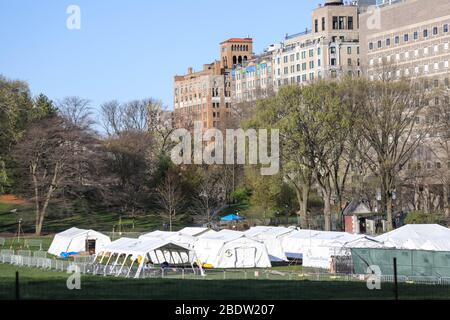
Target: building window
x,y
335,23
388,42
445,28
349,50
350,23
341,23
333,62
416,35
379,44
323,24
406,37
397,40
425,33
333,50
371,46
435,31
349,62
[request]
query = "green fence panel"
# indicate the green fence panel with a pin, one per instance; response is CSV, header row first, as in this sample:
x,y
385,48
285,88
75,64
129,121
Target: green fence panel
x,y
409,262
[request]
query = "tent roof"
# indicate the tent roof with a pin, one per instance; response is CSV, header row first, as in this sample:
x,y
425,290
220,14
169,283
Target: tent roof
x,y
141,246
75,232
193,231
224,236
418,237
159,234
72,232
269,231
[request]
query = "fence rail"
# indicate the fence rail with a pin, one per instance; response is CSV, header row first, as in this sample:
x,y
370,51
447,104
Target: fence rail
x,y
86,266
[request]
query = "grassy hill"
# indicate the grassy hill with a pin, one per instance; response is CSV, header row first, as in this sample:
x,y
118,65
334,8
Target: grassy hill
x,y
57,220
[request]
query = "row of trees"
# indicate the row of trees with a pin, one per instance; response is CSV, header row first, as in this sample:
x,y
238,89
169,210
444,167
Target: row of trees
x,y
52,155
337,132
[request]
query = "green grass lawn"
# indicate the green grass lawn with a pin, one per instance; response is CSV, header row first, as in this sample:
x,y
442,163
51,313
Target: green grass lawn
x,y
83,218
42,285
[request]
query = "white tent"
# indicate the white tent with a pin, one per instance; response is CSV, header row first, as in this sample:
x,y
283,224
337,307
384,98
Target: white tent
x,y
272,237
231,249
141,251
76,240
196,232
430,237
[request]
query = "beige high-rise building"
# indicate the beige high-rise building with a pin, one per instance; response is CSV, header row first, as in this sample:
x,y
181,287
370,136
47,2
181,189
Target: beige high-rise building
x,y
205,96
329,50
411,37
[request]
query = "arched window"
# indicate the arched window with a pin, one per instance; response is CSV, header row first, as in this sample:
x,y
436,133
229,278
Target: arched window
x,y
240,60
234,60
245,58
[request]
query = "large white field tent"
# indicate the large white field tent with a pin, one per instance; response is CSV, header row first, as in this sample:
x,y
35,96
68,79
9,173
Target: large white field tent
x,y
316,248
77,240
431,237
272,237
231,249
143,251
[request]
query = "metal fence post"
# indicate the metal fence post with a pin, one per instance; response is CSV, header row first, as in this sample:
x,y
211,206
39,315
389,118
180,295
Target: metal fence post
x,y
17,286
395,279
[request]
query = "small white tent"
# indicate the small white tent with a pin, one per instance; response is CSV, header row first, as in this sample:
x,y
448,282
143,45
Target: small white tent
x,y
431,237
272,237
231,249
78,240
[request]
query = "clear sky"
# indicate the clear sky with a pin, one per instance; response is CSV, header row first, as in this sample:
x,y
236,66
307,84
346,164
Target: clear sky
x,y
131,49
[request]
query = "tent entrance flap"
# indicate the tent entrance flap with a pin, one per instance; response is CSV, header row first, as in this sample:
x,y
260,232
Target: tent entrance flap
x,y
90,246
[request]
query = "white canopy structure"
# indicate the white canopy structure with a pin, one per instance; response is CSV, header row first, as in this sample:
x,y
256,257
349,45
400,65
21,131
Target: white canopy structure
x,y
78,240
231,249
140,252
431,237
174,237
272,237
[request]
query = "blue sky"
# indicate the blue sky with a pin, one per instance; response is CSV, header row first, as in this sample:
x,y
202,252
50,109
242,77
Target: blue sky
x,y
131,49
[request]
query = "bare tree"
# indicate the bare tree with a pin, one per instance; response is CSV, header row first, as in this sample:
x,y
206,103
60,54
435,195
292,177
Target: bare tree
x,y
170,198
387,112
76,110
56,155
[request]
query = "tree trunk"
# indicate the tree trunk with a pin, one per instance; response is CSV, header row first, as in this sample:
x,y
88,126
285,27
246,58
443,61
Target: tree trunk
x,y
327,210
446,202
389,213
302,199
304,208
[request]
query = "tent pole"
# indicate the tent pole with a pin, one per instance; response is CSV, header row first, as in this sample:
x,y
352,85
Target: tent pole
x,y
129,270
123,264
